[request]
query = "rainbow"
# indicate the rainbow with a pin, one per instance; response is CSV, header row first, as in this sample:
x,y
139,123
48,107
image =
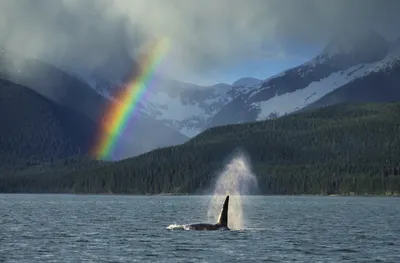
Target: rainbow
x,y
118,113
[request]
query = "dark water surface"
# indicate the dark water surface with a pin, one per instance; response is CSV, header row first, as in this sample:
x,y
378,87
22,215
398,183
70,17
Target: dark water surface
x,y
68,228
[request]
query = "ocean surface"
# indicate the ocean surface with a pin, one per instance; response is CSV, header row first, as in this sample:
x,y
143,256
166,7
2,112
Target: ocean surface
x,y
88,228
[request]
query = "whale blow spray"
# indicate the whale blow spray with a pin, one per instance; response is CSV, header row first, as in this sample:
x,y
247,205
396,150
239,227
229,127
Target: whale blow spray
x,y
235,180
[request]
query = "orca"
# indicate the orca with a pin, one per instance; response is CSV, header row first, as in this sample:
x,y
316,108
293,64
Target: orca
x,y
222,223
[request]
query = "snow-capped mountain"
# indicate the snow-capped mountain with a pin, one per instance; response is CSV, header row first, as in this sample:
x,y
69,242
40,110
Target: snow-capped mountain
x,y
345,61
340,63
186,107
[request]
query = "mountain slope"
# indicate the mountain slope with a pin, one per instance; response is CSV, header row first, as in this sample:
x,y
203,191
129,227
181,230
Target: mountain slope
x,y
181,106
53,83
338,149
35,130
382,85
185,107
341,63
344,62
142,133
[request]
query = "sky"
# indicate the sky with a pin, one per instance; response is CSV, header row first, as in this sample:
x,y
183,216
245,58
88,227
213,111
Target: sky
x,y
255,68
213,40
259,68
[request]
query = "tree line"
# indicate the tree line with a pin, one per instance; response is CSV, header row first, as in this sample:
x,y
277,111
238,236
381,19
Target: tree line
x,y
341,149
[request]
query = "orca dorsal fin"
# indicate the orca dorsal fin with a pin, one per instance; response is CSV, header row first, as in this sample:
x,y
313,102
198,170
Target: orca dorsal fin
x,y
223,217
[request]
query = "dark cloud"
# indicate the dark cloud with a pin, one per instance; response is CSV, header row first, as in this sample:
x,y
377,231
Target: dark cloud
x,y
205,34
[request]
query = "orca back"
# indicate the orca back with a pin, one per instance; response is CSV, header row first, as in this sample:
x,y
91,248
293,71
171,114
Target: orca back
x,y
222,220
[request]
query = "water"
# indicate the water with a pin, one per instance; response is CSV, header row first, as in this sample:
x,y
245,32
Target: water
x,y
67,228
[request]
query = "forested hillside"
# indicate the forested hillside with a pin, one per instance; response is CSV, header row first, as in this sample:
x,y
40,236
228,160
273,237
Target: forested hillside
x,y
340,149
71,95
36,131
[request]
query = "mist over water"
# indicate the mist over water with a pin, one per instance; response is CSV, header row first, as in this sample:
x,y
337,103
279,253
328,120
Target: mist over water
x,y
236,180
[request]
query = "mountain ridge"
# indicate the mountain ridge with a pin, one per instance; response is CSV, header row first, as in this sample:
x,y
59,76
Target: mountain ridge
x,y
69,91
171,111
190,108
40,131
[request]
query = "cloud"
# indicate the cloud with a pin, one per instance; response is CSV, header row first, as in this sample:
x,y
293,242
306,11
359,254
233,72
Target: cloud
x,y
205,35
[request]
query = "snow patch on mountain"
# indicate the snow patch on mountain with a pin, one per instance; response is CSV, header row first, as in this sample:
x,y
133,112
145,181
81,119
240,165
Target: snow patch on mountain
x,y
188,111
171,108
290,102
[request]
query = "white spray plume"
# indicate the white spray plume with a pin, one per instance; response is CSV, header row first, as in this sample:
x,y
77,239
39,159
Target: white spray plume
x,y
236,180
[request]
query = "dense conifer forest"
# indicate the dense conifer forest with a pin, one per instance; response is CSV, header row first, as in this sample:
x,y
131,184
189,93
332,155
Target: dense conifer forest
x,y
36,131
341,149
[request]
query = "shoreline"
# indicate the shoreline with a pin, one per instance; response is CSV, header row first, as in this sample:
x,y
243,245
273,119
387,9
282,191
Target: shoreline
x,y
395,195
